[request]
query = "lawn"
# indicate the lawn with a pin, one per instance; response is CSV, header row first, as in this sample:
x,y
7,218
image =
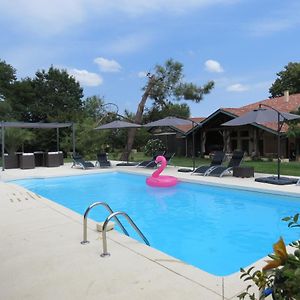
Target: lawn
x,y
269,167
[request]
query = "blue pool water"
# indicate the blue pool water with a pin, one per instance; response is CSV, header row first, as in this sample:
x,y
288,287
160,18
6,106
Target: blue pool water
x,y
216,229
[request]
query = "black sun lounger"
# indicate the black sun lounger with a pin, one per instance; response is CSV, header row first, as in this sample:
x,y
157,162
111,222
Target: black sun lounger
x,y
216,161
235,161
80,162
168,156
150,163
102,160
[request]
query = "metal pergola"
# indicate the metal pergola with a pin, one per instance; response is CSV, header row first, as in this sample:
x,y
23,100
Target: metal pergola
x,y
35,125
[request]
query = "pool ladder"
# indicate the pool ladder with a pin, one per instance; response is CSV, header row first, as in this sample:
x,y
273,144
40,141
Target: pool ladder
x,y
113,215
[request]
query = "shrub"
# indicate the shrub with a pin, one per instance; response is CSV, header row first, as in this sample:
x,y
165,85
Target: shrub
x,y
153,146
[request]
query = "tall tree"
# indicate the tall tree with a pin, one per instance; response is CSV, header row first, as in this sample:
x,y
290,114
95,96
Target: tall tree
x,y
7,79
58,96
288,79
163,87
181,110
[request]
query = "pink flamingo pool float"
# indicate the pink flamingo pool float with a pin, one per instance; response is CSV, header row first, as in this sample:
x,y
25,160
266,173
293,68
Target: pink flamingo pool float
x,y
161,180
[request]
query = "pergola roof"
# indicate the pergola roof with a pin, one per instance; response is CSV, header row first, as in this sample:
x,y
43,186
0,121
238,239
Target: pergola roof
x,y
34,125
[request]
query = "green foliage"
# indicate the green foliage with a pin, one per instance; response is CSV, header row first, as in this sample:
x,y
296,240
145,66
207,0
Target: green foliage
x,y
16,137
293,220
281,276
169,85
260,280
94,107
157,112
58,96
153,146
7,78
288,79
89,141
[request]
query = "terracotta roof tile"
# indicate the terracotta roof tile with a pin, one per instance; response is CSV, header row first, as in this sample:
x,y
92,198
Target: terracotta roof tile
x,y
186,128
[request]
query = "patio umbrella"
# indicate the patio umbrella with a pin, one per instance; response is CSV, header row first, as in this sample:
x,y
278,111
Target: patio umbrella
x,y
119,125
174,121
262,116
169,121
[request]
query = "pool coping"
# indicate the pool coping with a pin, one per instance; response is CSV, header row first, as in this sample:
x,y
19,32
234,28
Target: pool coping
x,y
227,287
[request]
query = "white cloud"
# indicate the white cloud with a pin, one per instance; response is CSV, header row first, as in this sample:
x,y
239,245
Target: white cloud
x,y
287,17
44,16
142,74
237,87
213,66
107,65
55,16
86,78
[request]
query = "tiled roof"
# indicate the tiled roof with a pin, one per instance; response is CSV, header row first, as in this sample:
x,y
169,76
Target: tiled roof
x,y
290,104
186,128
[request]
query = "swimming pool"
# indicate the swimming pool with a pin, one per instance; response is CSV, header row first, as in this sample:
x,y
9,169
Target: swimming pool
x,y
216,229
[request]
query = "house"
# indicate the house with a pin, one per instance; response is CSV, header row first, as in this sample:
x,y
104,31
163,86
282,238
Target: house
x,y
254,139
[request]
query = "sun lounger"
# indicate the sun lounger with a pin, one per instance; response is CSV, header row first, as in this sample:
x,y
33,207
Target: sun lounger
x,y
168,156
216,161
102,161
235,161
150,163
80,162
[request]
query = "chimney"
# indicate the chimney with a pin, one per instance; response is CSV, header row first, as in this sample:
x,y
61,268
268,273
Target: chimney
x,y
286,95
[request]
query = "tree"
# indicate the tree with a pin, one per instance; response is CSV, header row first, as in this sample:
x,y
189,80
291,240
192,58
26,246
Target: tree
x,y
288,79
163,87
94,107
58,96
93,113
7,79
172,109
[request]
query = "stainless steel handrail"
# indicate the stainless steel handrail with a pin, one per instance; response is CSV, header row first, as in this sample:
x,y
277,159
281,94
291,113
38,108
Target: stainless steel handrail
x,y
85,241
113,215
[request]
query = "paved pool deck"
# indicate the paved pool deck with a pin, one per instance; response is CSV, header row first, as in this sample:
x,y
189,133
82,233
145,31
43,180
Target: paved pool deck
x,y
42,258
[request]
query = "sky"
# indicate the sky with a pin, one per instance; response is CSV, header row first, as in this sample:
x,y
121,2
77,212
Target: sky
x,y
109,46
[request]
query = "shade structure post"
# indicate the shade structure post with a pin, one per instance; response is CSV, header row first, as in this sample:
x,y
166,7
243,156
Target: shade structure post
x,y
3,144
193,152
278,147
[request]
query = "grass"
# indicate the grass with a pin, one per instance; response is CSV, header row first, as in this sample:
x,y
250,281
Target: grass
x,y
268,167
